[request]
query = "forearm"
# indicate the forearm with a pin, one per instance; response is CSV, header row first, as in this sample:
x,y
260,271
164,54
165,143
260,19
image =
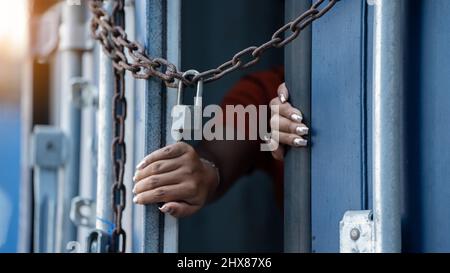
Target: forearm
x,y
232,159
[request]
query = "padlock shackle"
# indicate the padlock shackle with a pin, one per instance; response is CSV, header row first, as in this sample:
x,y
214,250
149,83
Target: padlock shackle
x,y
199,93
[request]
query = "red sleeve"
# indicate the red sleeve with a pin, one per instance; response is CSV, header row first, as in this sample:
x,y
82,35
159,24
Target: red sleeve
x,y
259,89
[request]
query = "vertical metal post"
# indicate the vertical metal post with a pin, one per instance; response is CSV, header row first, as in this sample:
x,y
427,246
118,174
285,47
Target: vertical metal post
x,y
88,148
72,41
155,231
174,56
297,185
105,179
130,128
26,207
48,156
154,112
388,122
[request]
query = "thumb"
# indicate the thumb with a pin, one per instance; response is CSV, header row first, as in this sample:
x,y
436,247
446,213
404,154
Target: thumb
x,y
278,154
179,209
283,93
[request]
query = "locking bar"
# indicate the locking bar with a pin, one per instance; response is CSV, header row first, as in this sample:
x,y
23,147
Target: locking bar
x,y
170,236
388,128
104,210
388,93
73,17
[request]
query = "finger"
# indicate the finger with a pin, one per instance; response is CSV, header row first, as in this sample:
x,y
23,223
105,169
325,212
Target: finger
x,y
282,124
179,209
283,93
171,151
156,181
165,194
289,139
278,154
158,167
286,110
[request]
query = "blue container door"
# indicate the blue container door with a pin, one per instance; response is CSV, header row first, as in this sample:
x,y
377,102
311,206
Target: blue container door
x,y
341,117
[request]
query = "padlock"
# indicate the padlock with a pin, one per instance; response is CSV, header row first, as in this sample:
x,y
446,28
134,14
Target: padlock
x,y
187,119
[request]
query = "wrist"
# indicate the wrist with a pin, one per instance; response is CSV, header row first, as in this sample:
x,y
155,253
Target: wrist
x,y
212,176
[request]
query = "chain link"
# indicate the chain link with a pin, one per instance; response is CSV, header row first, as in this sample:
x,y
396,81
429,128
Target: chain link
x,y
115,48
146,67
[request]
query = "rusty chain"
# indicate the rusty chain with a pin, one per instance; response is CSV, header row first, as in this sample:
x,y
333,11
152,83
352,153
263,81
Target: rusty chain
x,y
143,66
118,148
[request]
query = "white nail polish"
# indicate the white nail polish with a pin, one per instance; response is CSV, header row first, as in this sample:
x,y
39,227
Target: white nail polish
x,y
135,199
140,165
134,190
300,142
296,117
164,209
302,130
283,98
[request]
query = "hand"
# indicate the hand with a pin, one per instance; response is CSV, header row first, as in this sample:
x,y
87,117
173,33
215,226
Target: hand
x,y
286,124
175,175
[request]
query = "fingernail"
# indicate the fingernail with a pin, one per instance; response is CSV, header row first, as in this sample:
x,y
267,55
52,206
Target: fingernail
x,y
164,209
134,178
135,199
134,189
300,142
140,165
283,98
296,117
302,130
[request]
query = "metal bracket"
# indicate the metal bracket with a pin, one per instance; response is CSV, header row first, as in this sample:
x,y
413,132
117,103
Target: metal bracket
x,y
49,147
84,93
49,155
45,39
82,212
357,232
98,242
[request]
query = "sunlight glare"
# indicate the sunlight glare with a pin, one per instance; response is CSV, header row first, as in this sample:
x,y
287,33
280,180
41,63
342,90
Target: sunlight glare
x,y
13,25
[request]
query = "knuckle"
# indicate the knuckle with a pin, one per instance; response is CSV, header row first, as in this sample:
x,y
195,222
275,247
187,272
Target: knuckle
x,y
274,102
193,189
156,167
190,170
167,150
160,193
153,182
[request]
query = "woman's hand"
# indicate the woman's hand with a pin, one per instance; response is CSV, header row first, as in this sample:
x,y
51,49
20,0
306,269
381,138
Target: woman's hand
x,y
175,175
286,124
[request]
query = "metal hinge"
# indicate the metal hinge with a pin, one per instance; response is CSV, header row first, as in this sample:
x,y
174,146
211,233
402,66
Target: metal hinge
x,y
84,93
357,232
82,212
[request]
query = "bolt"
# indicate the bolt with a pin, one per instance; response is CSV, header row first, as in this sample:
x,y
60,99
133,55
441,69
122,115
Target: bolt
x,y
50,146
354,234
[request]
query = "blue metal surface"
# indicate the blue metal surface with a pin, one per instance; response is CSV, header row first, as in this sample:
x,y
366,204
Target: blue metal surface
x,y
426,223
9,176
342,98
338,120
